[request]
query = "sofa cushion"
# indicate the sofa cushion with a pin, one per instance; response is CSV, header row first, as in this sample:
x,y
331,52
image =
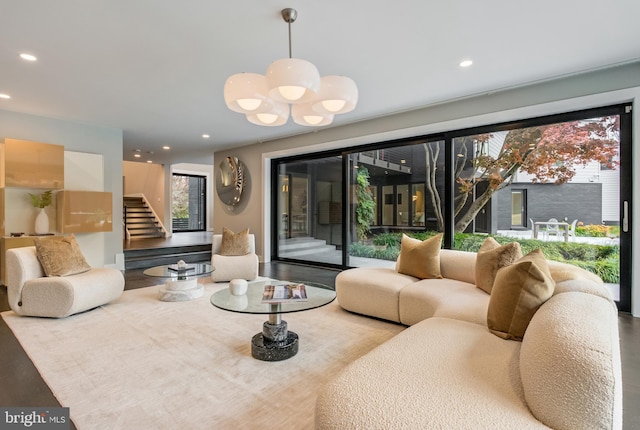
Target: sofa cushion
x,y
372,291
491,257
420,258
60,257
443,298
518,291
570,363
234,243
438,374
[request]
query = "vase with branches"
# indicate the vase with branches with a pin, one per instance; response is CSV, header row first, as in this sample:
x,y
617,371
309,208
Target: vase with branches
x,y
41,201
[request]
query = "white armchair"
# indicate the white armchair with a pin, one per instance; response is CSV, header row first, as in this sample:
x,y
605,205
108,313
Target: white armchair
x,y
32,293
228,267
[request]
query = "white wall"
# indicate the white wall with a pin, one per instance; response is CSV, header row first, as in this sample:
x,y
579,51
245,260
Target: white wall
x,y
103,141
602,88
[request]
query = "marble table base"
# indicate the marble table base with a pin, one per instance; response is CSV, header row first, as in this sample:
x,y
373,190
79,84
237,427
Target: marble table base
x,y
181,290
275,343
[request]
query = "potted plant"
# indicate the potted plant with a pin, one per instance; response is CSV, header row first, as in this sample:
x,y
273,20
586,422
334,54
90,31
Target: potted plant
x,y
41,201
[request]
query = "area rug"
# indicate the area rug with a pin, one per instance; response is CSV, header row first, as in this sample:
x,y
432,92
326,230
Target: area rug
x,y
140,363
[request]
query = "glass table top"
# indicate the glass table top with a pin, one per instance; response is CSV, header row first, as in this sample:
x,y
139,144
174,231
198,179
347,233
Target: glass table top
x,y
251,303
196,269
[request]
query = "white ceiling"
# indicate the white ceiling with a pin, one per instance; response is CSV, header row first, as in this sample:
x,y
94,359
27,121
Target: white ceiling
x,y
156,68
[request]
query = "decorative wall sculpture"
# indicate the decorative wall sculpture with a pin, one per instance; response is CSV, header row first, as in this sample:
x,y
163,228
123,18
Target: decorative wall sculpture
x,y
230,181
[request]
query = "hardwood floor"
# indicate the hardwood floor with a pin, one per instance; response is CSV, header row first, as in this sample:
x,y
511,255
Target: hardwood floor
x,y
21,384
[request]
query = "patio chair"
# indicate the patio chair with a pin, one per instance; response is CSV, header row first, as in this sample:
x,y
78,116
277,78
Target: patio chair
x,y
572,229
552,229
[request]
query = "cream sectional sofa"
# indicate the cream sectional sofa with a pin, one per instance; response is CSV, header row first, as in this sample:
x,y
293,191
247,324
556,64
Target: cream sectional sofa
x,y
448,371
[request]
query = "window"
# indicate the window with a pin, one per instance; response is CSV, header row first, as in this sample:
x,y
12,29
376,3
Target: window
x,y
188,202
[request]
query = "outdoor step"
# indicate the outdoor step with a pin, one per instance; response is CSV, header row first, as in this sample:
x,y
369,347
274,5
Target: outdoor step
x,y
298,247
308,251
300,243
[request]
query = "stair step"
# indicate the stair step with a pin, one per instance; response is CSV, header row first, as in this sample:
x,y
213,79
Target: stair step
x,y
144,258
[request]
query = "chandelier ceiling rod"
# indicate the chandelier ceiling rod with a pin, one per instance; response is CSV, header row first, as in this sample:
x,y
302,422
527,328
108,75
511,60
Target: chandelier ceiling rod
x,y
289,15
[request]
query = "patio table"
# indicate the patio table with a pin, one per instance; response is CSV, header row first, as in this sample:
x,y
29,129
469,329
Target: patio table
x,y
564,225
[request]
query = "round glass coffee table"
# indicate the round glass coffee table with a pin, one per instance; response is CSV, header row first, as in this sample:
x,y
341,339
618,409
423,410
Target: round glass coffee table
x,y
182,284
275,342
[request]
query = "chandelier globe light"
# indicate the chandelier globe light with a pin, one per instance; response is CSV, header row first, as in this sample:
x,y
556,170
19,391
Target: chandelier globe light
x,y
338,94
314,100
303,114
278,114
247,93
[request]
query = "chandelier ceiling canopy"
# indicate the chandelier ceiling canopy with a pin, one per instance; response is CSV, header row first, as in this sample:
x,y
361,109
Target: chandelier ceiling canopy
x,y
266,99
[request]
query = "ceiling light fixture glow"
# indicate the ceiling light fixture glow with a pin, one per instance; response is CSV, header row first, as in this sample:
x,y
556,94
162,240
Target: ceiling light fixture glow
x,y
28,57
205,136
314,100
466,63
5,96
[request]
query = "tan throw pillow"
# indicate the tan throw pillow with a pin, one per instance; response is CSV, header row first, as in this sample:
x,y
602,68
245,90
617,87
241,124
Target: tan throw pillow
x,y
60,257
491,257
518,291
420,259
235,243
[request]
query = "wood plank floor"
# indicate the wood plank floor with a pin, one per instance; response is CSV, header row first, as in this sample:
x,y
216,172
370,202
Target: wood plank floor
x,y
21,384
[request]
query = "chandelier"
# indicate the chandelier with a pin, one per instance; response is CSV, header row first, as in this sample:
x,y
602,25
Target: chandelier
x,y
314,100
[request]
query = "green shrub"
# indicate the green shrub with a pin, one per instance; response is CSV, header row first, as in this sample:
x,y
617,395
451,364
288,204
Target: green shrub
x,y
603,260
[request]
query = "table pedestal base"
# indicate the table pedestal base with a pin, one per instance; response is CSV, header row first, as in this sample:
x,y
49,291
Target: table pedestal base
x,y
181,290
275,343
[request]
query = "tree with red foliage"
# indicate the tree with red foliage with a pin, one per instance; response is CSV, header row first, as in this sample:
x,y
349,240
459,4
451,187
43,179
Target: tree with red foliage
x,y
549,153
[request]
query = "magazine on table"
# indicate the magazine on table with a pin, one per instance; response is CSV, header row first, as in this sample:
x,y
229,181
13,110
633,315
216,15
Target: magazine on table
x,y
284,293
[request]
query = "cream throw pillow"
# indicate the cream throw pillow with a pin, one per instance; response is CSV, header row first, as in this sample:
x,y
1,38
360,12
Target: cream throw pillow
x,y
60,257
234,243
491,257
420,259
518,291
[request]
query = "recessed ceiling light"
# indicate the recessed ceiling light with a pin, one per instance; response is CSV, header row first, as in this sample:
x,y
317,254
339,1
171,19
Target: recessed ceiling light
x,y
166,147
137,155
4,96
205,136
28,57
466,63
149,161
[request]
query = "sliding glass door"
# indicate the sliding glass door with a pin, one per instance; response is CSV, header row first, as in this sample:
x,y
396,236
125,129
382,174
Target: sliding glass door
x,y
555,184
309,210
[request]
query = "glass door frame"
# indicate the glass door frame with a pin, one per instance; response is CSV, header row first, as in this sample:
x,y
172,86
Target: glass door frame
x,y
626,180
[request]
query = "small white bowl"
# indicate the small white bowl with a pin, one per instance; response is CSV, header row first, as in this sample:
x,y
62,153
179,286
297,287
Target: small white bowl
x,y
238,287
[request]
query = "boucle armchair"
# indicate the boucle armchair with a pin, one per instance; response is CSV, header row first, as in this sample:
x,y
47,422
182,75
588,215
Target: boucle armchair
x,y
32,293
228,267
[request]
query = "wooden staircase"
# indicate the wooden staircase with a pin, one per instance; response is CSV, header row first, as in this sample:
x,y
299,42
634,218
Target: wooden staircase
x,y
139,219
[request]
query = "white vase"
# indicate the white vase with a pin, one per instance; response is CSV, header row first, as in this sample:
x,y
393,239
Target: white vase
x,y
42,222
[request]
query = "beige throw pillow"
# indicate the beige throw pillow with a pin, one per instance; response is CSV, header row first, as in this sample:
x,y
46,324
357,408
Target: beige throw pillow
x,y
518,291
234,243
60,257
491,257
420,259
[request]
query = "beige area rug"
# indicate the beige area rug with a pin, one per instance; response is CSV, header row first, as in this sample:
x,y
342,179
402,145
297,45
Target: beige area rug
x,y
139,363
